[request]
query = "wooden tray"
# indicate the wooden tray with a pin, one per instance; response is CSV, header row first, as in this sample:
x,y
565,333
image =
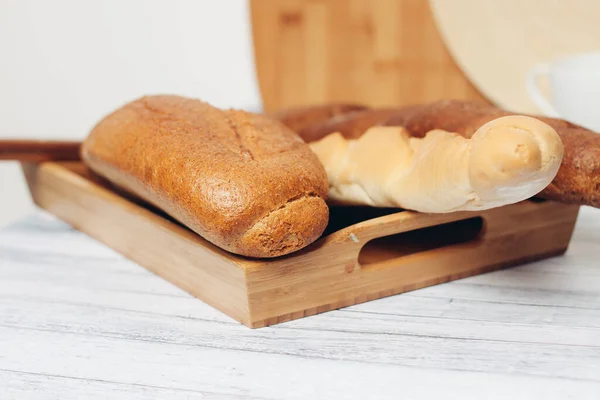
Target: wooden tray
x,y
365,254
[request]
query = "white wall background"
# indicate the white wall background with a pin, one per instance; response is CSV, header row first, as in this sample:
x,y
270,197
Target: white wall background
x,y
66,63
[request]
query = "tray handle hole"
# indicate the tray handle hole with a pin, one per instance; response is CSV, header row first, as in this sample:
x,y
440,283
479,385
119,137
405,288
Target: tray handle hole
x,y
378,252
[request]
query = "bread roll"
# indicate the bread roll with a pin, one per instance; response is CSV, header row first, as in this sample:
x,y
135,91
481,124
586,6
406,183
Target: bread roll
x,y
242,181
506,161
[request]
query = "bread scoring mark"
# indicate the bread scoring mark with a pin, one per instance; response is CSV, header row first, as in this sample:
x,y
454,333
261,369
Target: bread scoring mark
x,y
245,152
286,204
160,113
291,200
156,110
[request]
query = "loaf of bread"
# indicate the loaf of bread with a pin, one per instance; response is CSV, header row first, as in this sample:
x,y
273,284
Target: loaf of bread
x,y
304,118
505,161
242,181
577,180
352,124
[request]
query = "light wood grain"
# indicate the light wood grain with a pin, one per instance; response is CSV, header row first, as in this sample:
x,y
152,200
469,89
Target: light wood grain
x,y
78,320
497,42
385,52
72,195
17,384
345,267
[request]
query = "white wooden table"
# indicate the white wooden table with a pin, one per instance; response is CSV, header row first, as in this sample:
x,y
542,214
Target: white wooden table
x,y
78,321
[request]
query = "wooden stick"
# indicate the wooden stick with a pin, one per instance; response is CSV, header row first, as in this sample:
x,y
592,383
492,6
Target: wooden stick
x,y
39,150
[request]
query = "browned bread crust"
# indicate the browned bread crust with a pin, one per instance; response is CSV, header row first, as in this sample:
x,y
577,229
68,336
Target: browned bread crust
x,y
301,118
577,181
351,125
242,181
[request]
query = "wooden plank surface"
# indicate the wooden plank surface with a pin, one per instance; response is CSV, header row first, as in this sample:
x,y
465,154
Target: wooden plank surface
x,y
384,52
77,197
78,320
345,267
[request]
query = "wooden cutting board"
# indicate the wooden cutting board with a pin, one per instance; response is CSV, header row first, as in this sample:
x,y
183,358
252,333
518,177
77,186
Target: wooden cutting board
x,y
384,52
365,254
497,42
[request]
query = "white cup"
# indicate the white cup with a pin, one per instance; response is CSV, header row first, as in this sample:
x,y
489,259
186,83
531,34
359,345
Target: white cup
x,y
575,85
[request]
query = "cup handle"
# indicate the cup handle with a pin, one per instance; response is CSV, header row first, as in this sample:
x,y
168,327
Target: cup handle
x,y
534,91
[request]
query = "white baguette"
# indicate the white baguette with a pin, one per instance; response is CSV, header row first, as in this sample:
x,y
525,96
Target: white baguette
x,y
506,161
